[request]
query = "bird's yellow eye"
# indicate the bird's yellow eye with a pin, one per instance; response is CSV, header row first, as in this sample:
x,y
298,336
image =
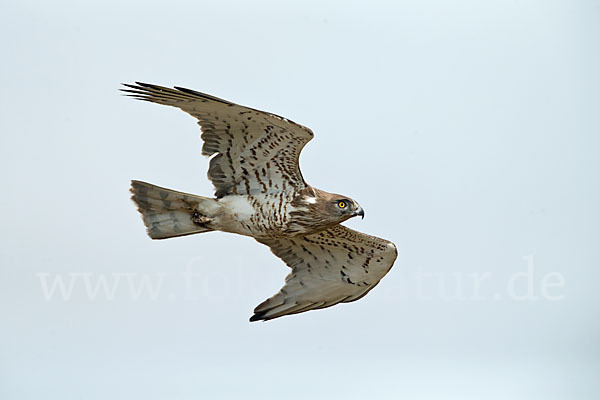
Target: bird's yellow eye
x,y
341,204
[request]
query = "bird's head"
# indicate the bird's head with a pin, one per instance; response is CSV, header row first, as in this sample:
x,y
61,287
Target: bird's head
x,y
326,209
345,208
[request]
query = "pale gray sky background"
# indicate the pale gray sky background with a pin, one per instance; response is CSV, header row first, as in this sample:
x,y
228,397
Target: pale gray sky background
x,y
468,130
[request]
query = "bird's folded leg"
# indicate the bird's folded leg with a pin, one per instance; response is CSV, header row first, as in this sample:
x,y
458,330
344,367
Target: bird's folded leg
x,y
199,219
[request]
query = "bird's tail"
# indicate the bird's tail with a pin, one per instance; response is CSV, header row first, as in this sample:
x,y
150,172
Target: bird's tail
x,y
167,213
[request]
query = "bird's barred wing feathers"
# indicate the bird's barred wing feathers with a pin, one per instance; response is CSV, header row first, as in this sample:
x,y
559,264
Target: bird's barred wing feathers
x,y
329,267
254,151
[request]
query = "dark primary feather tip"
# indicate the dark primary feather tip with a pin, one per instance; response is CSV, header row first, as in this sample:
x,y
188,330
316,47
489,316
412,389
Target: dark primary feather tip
x,y
129,85
132,91
259,316
142,87
151,86
143,84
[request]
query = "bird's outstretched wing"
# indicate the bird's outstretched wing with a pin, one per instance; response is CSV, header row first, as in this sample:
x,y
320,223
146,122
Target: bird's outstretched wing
x,y
329,267
254,151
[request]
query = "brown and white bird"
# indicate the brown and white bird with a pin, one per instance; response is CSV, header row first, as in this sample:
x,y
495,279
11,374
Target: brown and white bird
x,y
260,192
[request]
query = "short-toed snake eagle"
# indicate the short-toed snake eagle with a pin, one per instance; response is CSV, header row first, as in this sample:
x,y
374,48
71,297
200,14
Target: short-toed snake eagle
x,y
260,192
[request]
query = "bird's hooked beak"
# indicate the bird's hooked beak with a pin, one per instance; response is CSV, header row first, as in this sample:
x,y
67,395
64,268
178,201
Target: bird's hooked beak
x,y
360,211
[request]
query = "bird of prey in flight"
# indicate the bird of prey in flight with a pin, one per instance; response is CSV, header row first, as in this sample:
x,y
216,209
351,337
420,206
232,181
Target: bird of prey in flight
x,y
260,192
